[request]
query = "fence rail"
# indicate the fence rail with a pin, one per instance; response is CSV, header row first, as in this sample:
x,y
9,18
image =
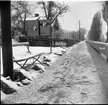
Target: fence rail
x,y
35,41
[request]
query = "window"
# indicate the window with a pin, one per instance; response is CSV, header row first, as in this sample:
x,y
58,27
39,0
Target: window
x,y
34,28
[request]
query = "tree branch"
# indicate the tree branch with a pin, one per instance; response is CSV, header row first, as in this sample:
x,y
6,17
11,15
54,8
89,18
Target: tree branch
x,y
44,9
63,10
55,18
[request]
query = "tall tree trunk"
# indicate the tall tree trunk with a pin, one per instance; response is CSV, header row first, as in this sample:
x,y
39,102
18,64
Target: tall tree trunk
x,y
24,24
6,38
45,10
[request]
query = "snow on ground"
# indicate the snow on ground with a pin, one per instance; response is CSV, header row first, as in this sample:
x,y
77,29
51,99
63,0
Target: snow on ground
x,y
20,52
78,77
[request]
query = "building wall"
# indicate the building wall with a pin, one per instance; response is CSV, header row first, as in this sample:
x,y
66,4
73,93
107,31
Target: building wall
x,y
32,28
44,28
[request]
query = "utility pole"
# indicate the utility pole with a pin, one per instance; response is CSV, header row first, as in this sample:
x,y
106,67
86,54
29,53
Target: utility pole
x,y
6,38
79,31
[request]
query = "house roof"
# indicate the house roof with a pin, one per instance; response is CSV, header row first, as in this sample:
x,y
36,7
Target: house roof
x,y
32,18
35,18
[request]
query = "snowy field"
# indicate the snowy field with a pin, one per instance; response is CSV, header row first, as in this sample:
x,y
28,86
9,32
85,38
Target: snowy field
x,y
78,77
20,52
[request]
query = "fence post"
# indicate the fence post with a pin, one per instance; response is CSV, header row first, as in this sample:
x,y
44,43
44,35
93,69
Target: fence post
x,y
54,42
67,42
50,39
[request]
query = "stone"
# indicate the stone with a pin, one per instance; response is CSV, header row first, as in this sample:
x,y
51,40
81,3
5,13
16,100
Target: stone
x,y
38,67
18,75
47,63
26,74
8,86
25,82
59,54
19,84
63,51
45,59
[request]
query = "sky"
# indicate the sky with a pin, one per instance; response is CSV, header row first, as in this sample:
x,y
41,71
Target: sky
x,y
82,11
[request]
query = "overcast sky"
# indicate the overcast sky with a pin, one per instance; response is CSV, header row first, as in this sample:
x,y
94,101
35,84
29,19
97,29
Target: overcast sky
x,y
79,10
83,11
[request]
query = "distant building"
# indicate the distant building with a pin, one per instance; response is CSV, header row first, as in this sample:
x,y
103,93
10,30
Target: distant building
x,y
37,26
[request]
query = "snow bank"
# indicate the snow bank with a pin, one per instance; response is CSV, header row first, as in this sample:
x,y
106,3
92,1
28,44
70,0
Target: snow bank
x,y
20,52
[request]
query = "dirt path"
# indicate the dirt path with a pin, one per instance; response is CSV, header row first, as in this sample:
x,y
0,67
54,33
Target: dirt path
x,y
78,77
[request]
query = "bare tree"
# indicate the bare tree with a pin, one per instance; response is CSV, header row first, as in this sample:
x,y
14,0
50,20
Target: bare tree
x,y
20,12
53,9
105,11
96,29
105,15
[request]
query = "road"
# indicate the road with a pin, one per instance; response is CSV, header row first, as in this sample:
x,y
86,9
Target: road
x,y
78,77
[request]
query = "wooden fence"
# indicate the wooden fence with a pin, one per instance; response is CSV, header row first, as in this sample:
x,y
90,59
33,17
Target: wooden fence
x,y
45,41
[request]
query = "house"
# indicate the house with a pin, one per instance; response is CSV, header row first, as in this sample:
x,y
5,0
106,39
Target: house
x,y
37,27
